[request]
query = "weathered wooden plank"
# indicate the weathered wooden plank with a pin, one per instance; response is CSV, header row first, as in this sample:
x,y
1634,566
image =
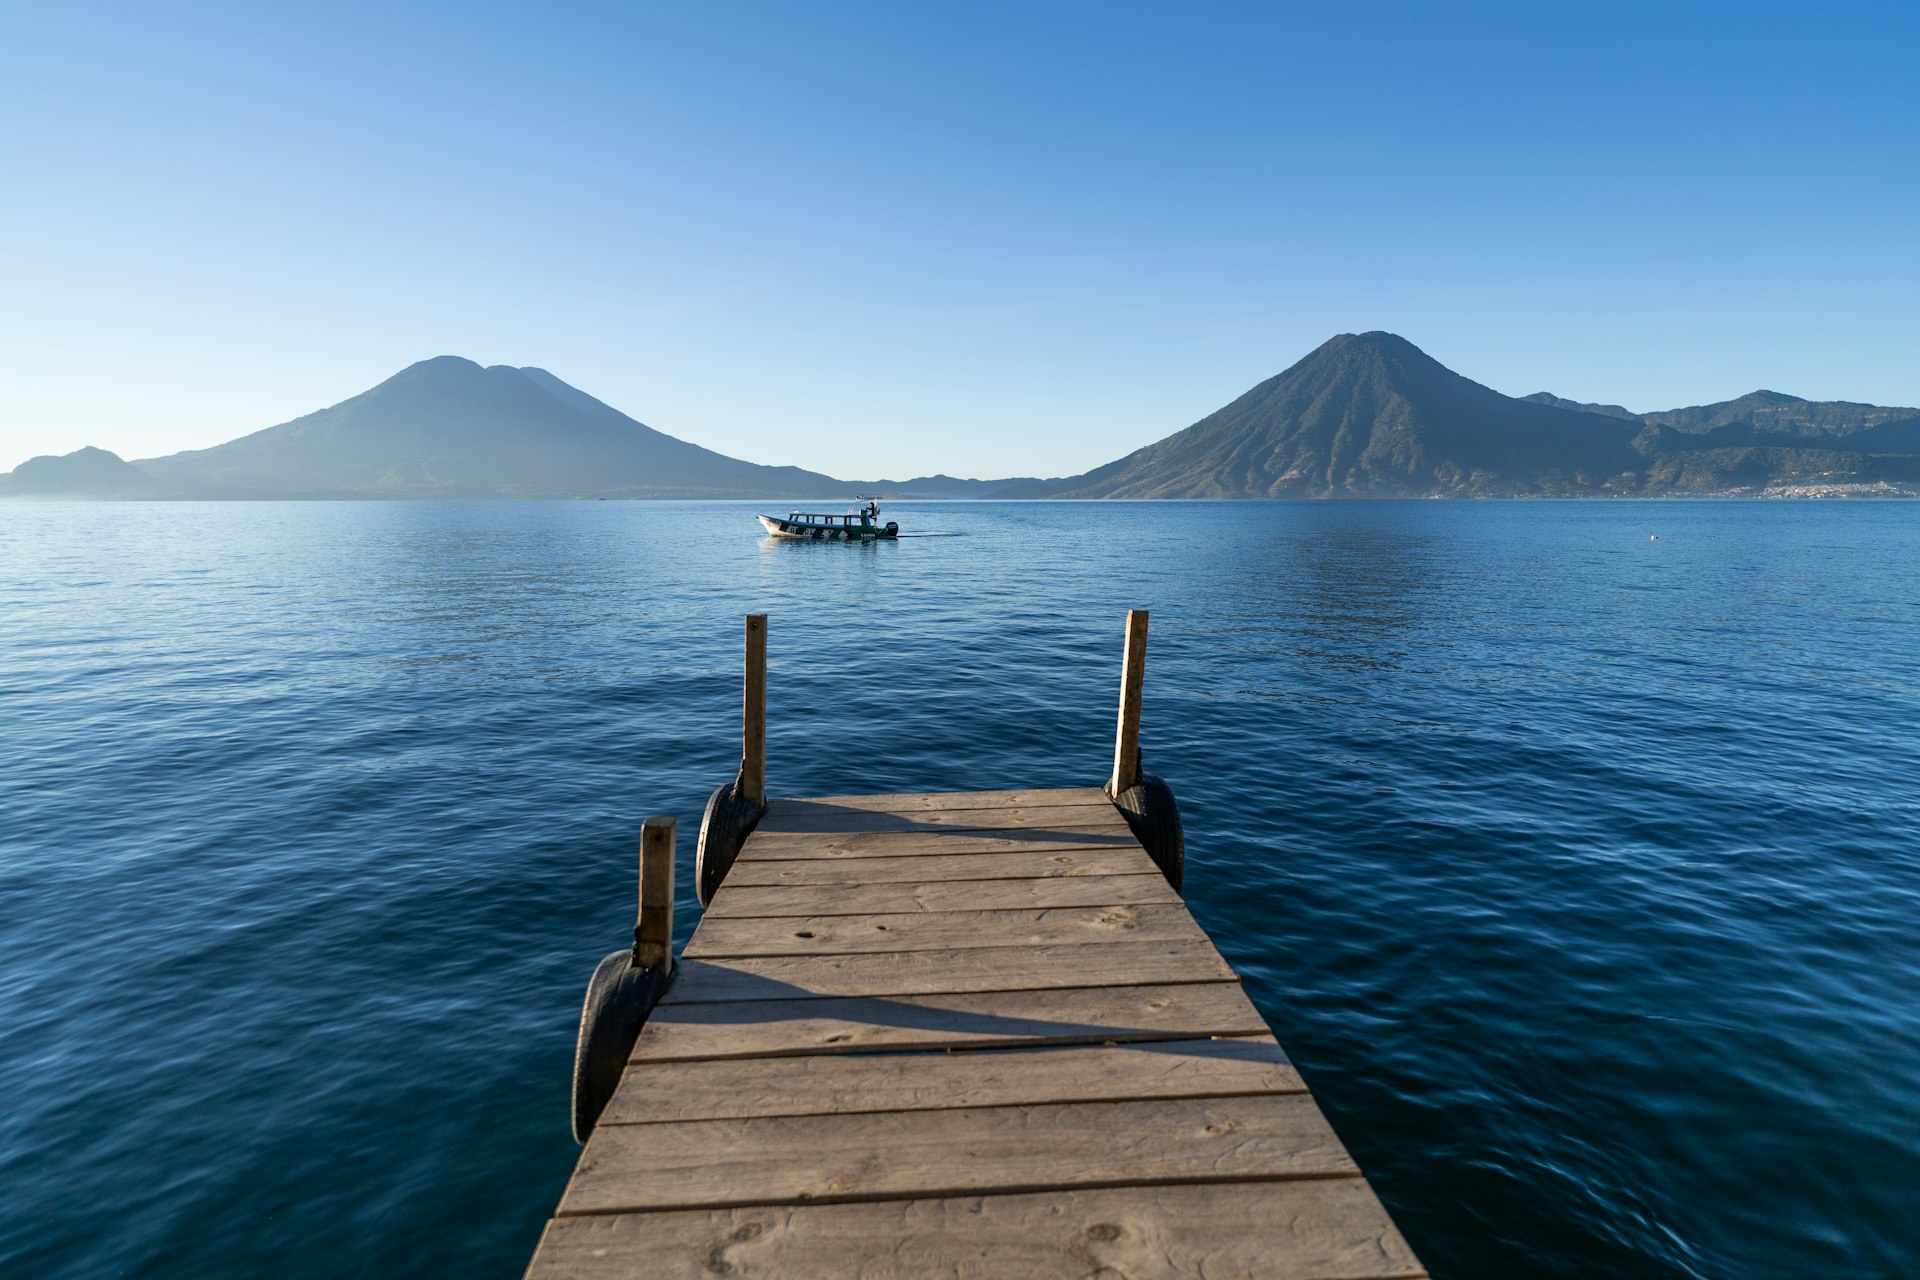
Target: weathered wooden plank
x,y
1026,864
1081,1015
1110,964
1327,1229
901,844
843,1084
955,895
710,1164
911,802
719,936
813,816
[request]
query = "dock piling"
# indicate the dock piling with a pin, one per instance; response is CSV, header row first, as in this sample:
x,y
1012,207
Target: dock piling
x,y
753,737
735,807
1143,798
653,932
944,1033
1133,678
626,985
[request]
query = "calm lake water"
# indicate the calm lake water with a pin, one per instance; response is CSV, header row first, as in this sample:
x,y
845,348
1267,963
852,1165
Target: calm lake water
x,y
1579,871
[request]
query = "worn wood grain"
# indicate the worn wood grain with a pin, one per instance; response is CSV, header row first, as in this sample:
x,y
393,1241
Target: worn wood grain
x,y
956,1034
910,802
890,1154
653,932
1325,1229
961,895
844,1084
939,930
1026,864
1133,675
815,816
901,844
753,714
1112,964
1080,1015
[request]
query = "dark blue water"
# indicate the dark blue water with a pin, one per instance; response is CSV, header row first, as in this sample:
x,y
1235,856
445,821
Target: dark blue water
x,y
1580,871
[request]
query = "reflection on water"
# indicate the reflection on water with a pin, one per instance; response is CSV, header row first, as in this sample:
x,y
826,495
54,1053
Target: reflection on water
x,y
1576,869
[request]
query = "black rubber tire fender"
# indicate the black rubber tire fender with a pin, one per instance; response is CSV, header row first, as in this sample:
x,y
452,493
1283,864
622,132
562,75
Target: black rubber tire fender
x,y
619,998
1150,809
725,826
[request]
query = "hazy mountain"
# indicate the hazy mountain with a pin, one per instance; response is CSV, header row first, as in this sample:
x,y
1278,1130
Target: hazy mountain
x,y
447,427
84,473
1371,415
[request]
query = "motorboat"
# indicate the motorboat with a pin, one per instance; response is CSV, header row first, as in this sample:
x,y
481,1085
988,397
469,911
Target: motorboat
x,y
859,525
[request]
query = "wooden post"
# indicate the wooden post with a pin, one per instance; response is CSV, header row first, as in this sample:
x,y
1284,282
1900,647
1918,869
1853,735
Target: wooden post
x,y
753,746
1133,677
653,935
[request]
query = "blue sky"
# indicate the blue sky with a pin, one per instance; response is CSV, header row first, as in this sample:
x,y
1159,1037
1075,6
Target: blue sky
x,y
983,239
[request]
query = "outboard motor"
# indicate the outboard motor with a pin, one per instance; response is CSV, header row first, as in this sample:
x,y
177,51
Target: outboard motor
x,y
893,529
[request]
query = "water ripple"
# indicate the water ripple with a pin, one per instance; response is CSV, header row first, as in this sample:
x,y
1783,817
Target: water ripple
x,y
1578,871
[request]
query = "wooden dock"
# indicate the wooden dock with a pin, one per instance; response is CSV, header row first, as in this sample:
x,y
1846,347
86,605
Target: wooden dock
x,y
959,1034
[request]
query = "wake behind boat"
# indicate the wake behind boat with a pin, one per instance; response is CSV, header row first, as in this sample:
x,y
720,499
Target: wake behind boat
x,y
862,525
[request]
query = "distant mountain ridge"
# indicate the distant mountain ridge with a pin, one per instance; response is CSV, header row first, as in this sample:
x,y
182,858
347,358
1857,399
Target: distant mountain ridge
x,y
1604,410
1363,415
1371,415
450,428
447,427
84,473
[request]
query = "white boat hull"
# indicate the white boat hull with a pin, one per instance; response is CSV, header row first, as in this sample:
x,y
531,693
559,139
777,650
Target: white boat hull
x,y
807,531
